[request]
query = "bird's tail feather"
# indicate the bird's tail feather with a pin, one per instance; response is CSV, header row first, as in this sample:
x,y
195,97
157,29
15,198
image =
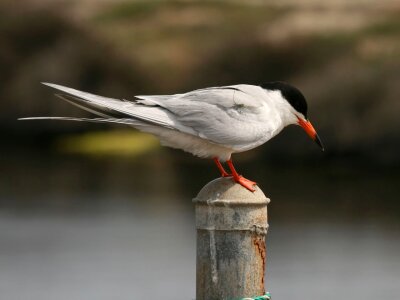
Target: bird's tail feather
x,y
131,122
114,108
94,109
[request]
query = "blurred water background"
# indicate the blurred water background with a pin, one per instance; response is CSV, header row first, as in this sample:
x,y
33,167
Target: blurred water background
x,y
92,211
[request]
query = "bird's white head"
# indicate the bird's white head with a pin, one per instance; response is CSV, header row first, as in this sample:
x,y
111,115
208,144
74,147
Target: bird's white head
x,y
294,106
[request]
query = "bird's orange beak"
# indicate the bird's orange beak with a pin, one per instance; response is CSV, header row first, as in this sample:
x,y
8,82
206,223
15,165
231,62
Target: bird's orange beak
x,y
309,129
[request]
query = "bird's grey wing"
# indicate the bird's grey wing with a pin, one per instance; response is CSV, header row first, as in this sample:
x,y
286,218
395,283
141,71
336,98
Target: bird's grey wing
x,y
228,96
229,115
121,109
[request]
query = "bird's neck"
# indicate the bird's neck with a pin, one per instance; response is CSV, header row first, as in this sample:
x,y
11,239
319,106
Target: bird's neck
x,y
282,108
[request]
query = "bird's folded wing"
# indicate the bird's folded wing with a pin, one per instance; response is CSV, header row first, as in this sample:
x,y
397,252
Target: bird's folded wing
x,y
229,115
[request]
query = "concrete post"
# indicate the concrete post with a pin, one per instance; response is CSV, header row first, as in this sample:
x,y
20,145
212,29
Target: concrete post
x,y
231,227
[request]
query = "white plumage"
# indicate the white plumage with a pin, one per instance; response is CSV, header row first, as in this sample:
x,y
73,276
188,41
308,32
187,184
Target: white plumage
x,y
211,122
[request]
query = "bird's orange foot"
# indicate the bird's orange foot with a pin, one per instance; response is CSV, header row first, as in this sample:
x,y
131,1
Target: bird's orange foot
x,y
248,184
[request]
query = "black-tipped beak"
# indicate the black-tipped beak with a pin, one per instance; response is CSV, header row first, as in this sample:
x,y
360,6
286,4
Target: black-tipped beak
x,y
309,129
318,141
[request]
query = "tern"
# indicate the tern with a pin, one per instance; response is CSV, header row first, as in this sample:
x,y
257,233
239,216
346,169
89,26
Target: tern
x,y
212,122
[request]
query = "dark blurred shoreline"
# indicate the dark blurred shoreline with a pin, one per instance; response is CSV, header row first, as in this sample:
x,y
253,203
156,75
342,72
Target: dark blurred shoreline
x,y
317,188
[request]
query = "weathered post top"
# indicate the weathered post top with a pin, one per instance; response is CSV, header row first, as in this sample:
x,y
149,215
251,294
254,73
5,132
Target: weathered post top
x,y
231,226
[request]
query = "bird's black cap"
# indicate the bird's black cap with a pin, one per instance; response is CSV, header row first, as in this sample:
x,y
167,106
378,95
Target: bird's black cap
x,y
291,94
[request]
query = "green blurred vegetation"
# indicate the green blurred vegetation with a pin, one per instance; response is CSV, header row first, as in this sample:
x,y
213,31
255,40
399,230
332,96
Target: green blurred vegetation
x,y
116,142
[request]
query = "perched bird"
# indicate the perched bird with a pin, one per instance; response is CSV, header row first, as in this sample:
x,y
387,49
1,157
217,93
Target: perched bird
x,y
212,122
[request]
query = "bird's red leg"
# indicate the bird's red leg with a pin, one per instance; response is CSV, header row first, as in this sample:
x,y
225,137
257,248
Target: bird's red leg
x,y
248,184
221,168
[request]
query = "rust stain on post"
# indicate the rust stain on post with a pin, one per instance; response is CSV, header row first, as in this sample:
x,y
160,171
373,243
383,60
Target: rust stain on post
x,y
231,227
259,243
